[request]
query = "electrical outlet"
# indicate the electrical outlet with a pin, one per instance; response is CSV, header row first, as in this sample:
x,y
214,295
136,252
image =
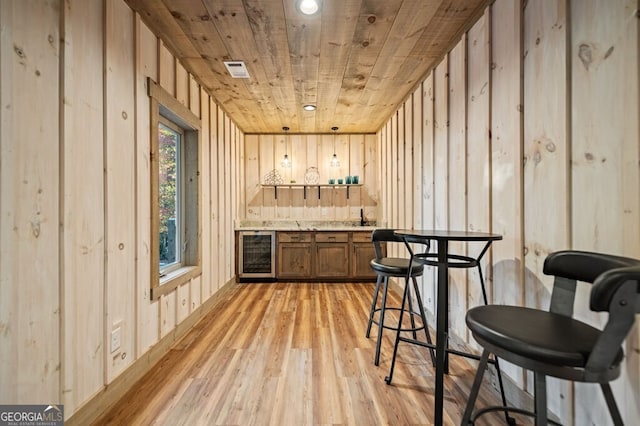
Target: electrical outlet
x,y
325,211
116,338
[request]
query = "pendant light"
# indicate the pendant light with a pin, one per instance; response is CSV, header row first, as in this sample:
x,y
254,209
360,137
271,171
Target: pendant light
x,y
285,161
334,160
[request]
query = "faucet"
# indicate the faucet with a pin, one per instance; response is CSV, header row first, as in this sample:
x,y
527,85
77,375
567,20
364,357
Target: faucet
x,y
362,221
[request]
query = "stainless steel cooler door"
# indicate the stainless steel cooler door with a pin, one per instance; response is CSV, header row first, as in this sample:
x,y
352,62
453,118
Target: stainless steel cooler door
x,y
257,254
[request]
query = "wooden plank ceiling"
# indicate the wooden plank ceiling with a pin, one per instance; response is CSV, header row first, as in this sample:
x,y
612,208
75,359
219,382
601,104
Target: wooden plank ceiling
x,y
356,60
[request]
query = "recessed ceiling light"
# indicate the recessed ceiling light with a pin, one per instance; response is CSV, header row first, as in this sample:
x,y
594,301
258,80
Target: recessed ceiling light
x,y
309,107
308,7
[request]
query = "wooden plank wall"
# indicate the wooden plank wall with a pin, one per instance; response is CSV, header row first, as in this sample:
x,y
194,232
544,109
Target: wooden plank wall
x,y
75,197
30,182
530,128
262,154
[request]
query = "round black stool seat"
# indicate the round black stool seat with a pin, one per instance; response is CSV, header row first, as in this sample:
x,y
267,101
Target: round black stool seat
x,y
534,334
396,266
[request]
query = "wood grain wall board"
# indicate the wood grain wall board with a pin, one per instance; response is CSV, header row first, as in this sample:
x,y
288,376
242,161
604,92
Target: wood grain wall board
x,y
409,178
546,155
30,185
120,179
222,184
418,168
183,301
297,150
340,207
370,178
205,206
216,208
237,151
193,162
357,161
417,154
394,220
195,94
384,164
83,211
253,190
441,144
325,150
547,226
479,148
604,164
342,150
267,165
168,313
312,159
604,151
147,311
506,129
546,144
401,176
182,84
428,176
229,209
167,69
458,169
235,188
196,296
283,202
506,157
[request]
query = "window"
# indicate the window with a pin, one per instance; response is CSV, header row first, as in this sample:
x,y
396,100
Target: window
x,y
170,196
175,192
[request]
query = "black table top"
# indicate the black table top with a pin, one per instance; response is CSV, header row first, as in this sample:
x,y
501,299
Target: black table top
x,y
434,234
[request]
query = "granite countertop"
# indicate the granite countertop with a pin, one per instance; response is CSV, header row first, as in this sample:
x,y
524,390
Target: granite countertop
x,y
304,225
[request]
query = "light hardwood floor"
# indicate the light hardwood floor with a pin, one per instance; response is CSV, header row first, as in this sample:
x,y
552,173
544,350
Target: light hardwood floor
x,y
293,354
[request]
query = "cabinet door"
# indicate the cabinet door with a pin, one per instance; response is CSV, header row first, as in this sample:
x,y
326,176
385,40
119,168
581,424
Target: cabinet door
x,y
294,260
332,260
361,258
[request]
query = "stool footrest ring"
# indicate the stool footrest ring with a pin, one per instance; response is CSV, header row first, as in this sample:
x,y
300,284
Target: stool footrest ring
x,y
395,326
508,409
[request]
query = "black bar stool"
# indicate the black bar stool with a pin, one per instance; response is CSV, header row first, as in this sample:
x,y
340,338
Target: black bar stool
x,y
386,267
553,343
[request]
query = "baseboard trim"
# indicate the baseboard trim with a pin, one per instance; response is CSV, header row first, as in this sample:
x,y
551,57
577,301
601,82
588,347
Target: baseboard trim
x,y
100,403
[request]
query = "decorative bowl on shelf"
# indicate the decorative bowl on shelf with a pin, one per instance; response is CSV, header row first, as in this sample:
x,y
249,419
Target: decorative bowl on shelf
x,y
312,176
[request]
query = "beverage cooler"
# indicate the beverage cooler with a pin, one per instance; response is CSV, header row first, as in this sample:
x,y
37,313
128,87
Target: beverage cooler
x,y
256,254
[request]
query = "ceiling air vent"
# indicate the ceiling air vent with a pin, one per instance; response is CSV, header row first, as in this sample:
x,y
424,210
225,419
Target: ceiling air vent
x,y
237,69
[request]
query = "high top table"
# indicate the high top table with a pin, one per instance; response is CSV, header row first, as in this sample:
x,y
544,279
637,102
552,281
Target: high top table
x,y
443,260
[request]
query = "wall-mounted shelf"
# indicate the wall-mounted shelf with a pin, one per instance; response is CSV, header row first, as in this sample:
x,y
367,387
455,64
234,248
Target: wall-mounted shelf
x,y
304,186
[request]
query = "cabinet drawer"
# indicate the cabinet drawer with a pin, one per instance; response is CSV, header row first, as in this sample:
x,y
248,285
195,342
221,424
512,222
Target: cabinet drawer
x,y
362,237
294,237
332,237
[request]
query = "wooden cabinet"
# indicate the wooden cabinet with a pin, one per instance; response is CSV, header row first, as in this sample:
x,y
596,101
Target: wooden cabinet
x,y
332,255
294,255
361,254
324,255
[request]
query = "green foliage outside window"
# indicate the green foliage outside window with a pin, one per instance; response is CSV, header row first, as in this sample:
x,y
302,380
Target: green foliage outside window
x,y
168,147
